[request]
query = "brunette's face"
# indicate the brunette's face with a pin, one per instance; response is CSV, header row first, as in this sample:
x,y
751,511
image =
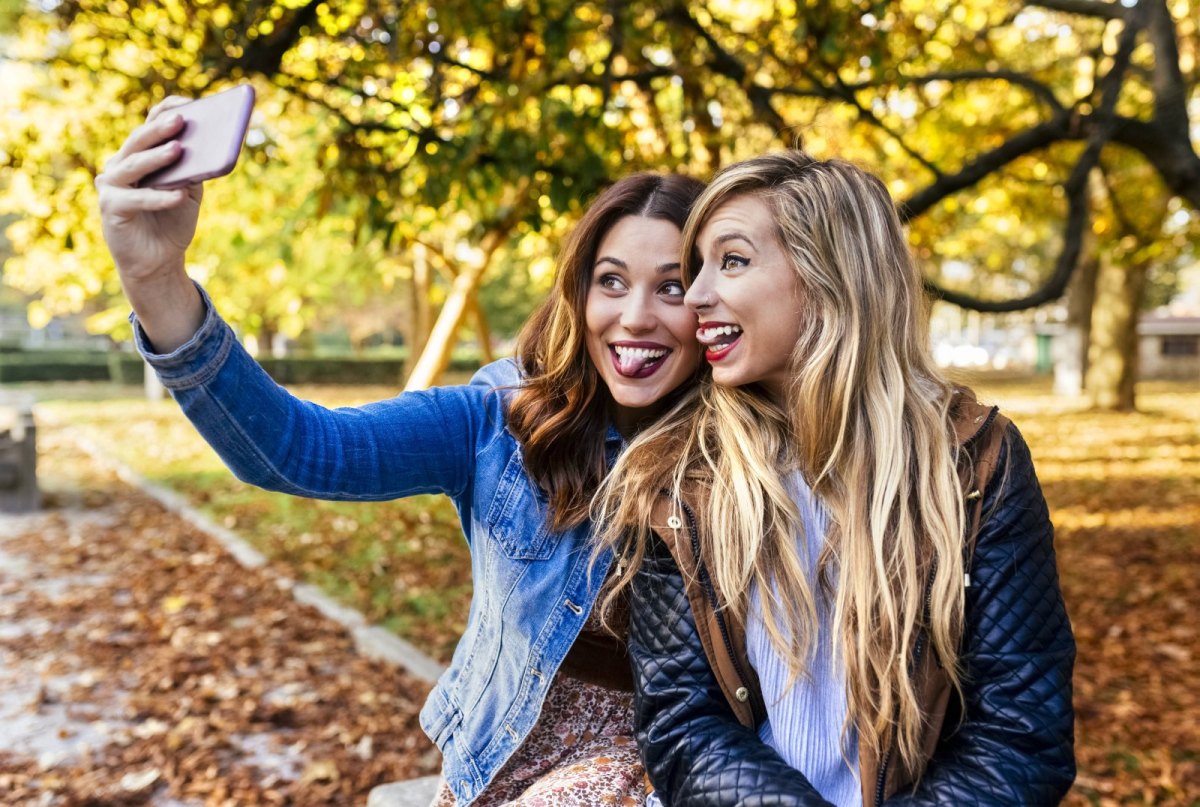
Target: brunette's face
x,y
746,296
640,335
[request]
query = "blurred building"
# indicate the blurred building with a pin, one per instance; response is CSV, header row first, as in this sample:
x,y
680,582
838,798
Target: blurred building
x,y
1169,347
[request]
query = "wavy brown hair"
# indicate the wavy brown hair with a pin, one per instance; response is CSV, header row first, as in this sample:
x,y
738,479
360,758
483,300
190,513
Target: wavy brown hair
x,y
560,415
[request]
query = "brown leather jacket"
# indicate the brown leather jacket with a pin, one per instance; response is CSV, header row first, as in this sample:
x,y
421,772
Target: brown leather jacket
x,y
980,430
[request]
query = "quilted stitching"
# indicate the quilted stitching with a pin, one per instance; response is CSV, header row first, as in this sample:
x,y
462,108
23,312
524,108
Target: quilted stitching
x,y
1015,745
696,751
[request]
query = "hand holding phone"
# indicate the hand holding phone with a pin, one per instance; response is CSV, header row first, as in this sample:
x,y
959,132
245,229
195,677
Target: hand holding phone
x,y
214,128
149,195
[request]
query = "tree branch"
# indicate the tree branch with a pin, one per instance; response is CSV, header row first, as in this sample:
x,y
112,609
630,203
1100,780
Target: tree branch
x,y
870,117
1020,144
1085,8
265,59
1034,86
1078,214
1056,284
1170,89
725,64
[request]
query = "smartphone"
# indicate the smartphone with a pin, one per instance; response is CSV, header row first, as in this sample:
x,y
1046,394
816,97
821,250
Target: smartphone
x,y
214,128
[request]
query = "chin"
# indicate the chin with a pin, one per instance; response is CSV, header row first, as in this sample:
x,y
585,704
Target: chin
x,y
636,402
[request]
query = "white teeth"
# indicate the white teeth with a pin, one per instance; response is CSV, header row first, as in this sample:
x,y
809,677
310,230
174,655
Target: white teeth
x,y
638,352
723,330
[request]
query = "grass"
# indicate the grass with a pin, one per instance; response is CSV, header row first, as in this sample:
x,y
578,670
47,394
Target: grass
x,y
1123,489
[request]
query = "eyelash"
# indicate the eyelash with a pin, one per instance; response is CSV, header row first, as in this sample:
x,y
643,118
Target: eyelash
x,y
610,282
738,260
615,283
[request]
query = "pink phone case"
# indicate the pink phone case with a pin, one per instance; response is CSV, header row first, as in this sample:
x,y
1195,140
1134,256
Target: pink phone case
x,y
213,130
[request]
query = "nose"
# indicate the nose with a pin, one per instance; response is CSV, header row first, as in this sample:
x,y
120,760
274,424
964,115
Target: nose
x,y
700,294
637,315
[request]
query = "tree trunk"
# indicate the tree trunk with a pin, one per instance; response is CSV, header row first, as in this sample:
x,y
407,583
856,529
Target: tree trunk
x,y
421,317
1071,359
436,355
1112,355
482,331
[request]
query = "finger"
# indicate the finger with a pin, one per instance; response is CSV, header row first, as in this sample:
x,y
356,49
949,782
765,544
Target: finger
x,y
165,105
151,134
126,202
128,171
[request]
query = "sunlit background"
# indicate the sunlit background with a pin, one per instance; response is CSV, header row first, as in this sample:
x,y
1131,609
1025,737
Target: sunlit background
x,y
410,172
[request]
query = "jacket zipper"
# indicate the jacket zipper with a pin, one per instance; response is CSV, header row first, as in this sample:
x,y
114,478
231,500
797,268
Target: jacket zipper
x,y
755,711
918,650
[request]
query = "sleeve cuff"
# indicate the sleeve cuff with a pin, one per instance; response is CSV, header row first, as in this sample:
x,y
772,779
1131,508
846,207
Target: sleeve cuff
x,y
196,361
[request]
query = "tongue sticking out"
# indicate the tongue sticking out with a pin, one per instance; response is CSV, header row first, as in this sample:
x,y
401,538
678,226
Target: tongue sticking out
x,y
632,365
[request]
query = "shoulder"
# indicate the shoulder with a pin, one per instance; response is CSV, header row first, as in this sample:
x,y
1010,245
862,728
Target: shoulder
x,y
501,373
975,424
676,515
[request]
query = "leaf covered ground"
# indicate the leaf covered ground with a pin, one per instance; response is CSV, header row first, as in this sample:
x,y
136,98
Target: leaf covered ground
x,y
1124,493
140,664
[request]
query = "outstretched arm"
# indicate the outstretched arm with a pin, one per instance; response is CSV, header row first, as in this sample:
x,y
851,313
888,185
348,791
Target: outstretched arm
x,y
424,442
417,442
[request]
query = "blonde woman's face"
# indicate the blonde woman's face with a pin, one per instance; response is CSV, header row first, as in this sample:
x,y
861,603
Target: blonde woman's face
x,y
746,296
640,335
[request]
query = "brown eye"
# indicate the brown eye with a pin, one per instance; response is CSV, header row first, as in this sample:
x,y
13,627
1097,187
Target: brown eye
x,y
732,260
611,282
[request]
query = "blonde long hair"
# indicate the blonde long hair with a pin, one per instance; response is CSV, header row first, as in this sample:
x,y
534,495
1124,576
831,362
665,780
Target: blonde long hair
x,y
865,420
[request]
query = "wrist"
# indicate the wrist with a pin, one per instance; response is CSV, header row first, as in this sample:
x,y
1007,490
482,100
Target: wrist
x,y
168,308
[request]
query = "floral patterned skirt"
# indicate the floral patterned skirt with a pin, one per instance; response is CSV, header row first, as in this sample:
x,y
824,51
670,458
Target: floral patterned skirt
x,y
581,753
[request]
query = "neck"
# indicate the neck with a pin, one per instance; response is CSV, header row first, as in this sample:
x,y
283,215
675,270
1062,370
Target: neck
x,y
629,421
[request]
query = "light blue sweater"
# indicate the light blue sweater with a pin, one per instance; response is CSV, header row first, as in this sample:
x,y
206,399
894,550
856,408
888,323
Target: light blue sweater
x,y
804,721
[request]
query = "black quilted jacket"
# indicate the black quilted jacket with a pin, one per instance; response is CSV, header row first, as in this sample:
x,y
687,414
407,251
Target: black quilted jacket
x,y
1014,745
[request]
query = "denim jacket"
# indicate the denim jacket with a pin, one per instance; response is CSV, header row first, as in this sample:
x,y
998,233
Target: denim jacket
x,y
533,588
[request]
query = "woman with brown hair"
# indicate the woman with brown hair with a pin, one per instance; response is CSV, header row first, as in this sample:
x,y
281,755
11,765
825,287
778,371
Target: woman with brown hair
x,y
848,595
535,707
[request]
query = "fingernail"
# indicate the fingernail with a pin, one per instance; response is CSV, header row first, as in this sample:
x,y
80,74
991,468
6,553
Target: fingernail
x,y
172,119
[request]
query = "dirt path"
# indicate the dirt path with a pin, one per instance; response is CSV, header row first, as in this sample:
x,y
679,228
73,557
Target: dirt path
x,y
140,664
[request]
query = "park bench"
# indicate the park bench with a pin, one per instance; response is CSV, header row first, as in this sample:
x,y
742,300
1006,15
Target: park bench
x,y
18,455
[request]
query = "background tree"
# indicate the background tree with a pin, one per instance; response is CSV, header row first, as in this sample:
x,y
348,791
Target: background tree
x,y
990,120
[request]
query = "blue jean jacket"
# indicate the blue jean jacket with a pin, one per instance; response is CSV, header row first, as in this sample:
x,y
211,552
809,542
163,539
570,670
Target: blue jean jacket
x,y
533,588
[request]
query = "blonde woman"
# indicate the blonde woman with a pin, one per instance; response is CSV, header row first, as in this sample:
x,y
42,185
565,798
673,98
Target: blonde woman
x,y
844,584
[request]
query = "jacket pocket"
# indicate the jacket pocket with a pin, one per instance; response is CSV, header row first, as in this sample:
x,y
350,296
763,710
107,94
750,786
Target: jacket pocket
x,y
517,517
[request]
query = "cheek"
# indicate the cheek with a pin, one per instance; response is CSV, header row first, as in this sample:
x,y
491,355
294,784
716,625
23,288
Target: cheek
x,y
785,332
594,318
682,323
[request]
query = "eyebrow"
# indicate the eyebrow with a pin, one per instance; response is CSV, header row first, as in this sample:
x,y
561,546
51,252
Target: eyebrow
x,y
725,238
661,269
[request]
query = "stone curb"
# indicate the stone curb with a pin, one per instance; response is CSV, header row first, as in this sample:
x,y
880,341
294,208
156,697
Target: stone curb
x,y
412,793
370,640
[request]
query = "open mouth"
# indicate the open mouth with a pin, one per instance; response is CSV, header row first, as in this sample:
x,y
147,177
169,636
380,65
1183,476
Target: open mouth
x,y
718,338
638,360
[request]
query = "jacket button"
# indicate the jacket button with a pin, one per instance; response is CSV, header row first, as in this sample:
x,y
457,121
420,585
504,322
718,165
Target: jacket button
x,y
742,694
674,523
